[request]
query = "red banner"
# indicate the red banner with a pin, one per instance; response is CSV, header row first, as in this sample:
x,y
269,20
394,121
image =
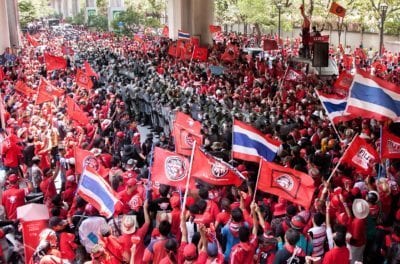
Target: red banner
x,y
47,92
186,131
231,53
75,112
270,44
290,184
200,53
89,70
324,38
361,155
214,29
23,88
32,40
390,145
343,83
85,158
337,9
170,168
83,80
213,170
54,62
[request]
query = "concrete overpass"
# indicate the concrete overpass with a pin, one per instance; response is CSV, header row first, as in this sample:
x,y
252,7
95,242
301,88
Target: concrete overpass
x,y
191,16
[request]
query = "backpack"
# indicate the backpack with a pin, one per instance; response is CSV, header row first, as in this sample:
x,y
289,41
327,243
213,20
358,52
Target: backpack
x,y
393,256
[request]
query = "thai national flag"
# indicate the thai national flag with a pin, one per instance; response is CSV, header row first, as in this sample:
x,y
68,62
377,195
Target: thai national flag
x,y
250,144
96,191
371,97
183,35
334,107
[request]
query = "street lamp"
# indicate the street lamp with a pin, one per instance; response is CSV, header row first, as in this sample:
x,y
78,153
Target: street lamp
x,y
279,6
384,8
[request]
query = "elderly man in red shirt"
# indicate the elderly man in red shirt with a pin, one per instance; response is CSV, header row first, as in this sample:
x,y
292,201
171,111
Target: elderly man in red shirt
x,y
14,197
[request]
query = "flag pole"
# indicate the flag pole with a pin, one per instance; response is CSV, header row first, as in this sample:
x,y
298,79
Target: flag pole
x,y
341,158
380,154
149,171
258,177
188,180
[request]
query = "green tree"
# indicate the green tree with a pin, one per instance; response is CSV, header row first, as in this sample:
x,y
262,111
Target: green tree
x,y
27,13
79,19
99,22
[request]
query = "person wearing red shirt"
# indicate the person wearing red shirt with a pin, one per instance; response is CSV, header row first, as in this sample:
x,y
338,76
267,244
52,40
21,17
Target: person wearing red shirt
x,y
66,242
47,186
14,197
339,254
156,251
11,151
244,251
126,195
131,233
111,245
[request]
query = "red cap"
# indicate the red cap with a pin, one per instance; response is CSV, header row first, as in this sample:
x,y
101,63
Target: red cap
x,y
342,218
190,251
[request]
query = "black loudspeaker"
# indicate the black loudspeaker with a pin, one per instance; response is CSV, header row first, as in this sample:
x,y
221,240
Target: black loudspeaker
x,y
321,54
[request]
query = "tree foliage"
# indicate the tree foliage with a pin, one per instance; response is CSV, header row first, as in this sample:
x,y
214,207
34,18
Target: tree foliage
x,y
27,12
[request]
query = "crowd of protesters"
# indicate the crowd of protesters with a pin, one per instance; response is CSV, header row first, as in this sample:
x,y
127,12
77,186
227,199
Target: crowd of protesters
x,y
353,218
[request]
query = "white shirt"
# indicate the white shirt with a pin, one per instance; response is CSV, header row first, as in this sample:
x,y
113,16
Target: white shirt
x,y
89,231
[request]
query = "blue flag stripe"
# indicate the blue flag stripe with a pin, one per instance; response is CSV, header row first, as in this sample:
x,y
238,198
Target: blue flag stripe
x,y
97,189
330,107
244,140
374,95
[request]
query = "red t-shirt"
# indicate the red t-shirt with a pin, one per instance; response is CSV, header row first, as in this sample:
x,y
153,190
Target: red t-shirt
x,y
12,199
204,259
124,197
223,217
67,246
243,253
155,251
337,256
358,232
126,242
48,188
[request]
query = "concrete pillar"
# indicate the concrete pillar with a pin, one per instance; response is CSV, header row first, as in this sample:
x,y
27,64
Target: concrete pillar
x,y
75,7
193,16
5,37
58,6
64,8
12,15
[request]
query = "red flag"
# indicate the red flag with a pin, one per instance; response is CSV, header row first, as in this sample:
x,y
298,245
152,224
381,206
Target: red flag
x,y
343,83
138,38
165,31
31,40
186,131
270,44
2,74
360,53
214,29
54,62
83,80
47,92
89,70
195,42
213,170
85,158
75,112
361,155
290,184
231,53
173,51
294,76
337,9
23,88
348,61
200,53
170,168
390,145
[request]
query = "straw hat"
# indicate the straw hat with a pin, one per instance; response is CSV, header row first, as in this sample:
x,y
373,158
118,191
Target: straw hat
x,y
129,224
360,208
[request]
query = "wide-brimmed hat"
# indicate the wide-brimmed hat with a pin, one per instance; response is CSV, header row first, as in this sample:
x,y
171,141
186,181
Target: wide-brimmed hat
x,y
360,208
129,224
